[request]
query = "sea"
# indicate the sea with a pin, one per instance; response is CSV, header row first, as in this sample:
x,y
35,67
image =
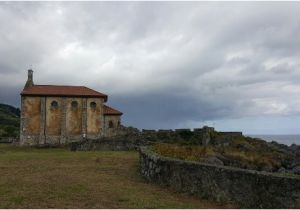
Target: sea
x,y
283,139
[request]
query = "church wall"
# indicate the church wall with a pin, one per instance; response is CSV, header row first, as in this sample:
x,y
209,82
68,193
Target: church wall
x,y
32,110
73,116
53,116
111,124
43,123
94,117
30,120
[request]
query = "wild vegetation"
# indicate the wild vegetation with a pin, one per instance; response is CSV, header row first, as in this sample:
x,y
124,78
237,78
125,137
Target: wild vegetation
x,y
59,178
243,152
9,121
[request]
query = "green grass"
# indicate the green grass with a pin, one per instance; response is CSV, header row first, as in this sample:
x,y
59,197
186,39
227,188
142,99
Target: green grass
x,y
58,178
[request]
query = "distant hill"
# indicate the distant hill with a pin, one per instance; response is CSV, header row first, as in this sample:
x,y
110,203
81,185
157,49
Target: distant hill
x,y
9,120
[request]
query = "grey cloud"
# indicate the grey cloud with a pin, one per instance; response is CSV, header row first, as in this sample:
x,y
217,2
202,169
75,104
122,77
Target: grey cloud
x,y
162,63
10,95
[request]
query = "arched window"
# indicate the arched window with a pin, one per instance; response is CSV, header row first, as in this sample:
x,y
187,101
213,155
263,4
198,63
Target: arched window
x,y
110,124
74,104
93,105
54,105
119,123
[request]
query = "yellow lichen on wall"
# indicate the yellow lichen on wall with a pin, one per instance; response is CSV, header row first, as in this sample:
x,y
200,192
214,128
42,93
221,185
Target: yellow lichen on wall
x,y
32,110
67,117
74,116
94,113
112,122
53,116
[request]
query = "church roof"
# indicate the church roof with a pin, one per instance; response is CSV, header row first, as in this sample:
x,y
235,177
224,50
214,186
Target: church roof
x,y
111,111
60,90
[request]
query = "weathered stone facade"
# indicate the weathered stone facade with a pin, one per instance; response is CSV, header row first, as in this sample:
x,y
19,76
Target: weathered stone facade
x,y
62,114
111,122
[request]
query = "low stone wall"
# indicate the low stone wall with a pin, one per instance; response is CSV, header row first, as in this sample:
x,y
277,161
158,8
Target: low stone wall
x,y
231,134
9,139
247,188
200,136
131,138
107,144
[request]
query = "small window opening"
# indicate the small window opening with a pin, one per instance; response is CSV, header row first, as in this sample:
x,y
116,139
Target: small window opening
x,y
54,105
93,105
110,124
74,104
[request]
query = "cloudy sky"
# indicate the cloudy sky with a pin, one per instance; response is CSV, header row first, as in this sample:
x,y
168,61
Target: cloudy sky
x,y
234,66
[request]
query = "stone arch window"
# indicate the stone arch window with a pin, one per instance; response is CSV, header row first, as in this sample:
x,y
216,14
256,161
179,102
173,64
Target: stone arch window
x,y
93,105
110,124
119,123
74,104
54,105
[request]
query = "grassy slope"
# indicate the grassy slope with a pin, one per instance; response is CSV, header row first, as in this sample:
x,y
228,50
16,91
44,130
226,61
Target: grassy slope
x,y
9,120
57,178
9,115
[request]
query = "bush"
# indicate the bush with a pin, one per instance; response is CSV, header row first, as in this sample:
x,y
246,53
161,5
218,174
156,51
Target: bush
x,y
186,135
9,131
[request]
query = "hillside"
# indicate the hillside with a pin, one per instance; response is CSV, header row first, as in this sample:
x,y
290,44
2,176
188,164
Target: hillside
x,y
9,120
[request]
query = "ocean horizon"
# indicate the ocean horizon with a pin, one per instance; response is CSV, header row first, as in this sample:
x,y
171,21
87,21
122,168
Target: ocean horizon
x,y
281,138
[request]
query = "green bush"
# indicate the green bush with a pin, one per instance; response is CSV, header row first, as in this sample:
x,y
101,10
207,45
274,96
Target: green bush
x,y
186,135
9,131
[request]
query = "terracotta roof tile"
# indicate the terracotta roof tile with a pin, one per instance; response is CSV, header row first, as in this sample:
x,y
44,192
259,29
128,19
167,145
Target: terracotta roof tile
x,y
111,111
59,90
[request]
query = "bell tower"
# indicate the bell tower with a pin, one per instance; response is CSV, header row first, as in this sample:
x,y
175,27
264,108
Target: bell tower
x,y
29,82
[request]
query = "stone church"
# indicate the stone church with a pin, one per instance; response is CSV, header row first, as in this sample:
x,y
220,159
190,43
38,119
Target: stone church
x,y
56,114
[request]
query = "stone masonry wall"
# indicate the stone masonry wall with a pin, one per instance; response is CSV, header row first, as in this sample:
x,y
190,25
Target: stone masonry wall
x,y
247,188
112,144
44,124
200,136
111,125
132,136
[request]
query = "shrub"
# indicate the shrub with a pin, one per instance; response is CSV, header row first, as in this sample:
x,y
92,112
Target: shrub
x,y
186,135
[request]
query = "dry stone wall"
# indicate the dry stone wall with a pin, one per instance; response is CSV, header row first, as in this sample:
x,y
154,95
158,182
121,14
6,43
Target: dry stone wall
x,y
197,136
9,139
247,188
132,138
114,144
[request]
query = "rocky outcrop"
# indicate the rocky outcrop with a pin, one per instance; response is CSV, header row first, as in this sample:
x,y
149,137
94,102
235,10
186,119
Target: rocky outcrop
x,y
212,160
296,170
292,165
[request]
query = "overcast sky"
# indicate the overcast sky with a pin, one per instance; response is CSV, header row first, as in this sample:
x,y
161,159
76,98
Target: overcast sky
x,y
234,66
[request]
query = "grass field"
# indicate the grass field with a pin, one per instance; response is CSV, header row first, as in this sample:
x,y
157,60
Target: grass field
x,y
58,178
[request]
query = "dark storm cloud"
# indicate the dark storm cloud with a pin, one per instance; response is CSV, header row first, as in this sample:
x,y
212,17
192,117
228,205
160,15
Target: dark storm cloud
x,y
164,64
